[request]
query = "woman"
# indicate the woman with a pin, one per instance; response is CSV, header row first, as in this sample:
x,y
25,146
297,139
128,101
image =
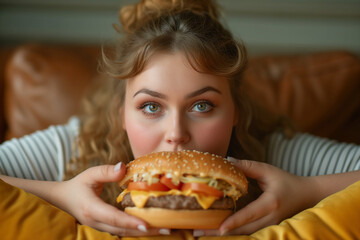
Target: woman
x,y
174,83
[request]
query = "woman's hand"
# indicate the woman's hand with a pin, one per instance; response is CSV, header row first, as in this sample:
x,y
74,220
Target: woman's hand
x,y
284,195
80,197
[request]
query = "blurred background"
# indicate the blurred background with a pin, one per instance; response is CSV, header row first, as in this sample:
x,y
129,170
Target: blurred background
x,y
266,26
51,47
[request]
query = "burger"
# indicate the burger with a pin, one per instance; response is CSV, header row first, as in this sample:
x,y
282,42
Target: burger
x,y
181,190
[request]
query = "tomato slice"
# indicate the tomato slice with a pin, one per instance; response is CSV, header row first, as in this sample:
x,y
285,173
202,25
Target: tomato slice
x,y
167,182
143,186
202,188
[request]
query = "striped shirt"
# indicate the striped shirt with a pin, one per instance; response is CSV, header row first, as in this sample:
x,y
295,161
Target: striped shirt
x,y
43,155
307,155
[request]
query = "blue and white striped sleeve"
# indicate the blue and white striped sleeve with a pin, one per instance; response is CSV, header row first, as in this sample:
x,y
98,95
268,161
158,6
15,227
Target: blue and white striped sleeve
x,y
307,155
42,155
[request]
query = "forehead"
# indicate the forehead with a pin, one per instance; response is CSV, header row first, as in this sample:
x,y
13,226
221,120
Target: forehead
x,y
172,70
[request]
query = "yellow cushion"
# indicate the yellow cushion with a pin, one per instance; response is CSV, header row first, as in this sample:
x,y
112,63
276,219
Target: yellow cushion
x,y
23,215
335,217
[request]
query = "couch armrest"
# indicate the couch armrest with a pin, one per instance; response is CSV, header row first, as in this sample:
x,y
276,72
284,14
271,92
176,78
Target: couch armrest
x,y
44,85
319,92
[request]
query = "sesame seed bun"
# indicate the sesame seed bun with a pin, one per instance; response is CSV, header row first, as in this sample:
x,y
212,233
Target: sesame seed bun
x,y
187,162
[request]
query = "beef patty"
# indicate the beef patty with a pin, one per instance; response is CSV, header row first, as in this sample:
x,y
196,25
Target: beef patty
x,y
178,202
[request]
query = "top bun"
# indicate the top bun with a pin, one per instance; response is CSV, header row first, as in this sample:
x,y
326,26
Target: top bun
x,y
187,162
134,16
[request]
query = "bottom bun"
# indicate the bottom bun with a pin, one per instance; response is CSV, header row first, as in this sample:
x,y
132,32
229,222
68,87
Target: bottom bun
x,y
180,219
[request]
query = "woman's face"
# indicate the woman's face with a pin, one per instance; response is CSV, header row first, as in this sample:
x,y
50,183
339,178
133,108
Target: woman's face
x,y
170,106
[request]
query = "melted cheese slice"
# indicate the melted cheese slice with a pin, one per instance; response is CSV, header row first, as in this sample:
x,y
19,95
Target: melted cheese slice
x,y
140,197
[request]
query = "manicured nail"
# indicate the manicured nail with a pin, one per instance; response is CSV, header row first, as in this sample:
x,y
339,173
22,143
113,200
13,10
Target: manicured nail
x,y
142,228
164,231
198,233
118,166
231,159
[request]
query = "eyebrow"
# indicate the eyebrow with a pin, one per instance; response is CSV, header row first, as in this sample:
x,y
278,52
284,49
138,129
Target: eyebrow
x,y
201,91
151,93
190,95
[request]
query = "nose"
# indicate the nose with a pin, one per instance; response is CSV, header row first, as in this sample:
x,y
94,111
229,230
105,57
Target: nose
x,y
177,132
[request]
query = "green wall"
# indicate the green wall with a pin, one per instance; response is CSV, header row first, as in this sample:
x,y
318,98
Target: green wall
x,y
266,26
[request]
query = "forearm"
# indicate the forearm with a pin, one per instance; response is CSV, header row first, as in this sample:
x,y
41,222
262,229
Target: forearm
x,y
42,189
325,185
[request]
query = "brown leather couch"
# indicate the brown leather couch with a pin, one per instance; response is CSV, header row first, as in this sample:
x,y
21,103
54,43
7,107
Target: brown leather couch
x,y
42,85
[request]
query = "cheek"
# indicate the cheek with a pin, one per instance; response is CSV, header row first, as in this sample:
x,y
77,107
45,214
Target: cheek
x,y
214,136
143,138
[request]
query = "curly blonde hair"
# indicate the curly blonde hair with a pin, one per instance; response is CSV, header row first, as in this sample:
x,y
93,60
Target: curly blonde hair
x,y
153,26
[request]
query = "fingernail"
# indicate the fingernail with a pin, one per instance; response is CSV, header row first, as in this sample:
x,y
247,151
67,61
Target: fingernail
x,y
164,231
118,166
142,228
231,159
198,233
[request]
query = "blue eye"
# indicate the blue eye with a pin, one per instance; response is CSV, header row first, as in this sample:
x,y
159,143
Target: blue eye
x,y
151,108
202,106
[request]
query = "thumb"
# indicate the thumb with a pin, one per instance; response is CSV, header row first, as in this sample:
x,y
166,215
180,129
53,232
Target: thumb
x,y
106,173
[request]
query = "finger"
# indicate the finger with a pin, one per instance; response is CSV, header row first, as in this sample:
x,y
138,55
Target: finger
x,y
131,232
250,213
245,229
206,232
253,226
105,173
253,169
110,215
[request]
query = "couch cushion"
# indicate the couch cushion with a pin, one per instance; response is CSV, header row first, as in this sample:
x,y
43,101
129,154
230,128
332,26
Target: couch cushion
x,y
5,52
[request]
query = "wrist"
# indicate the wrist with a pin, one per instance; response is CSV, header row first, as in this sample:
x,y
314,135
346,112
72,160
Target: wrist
x,y
57,195
315,191
325,185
